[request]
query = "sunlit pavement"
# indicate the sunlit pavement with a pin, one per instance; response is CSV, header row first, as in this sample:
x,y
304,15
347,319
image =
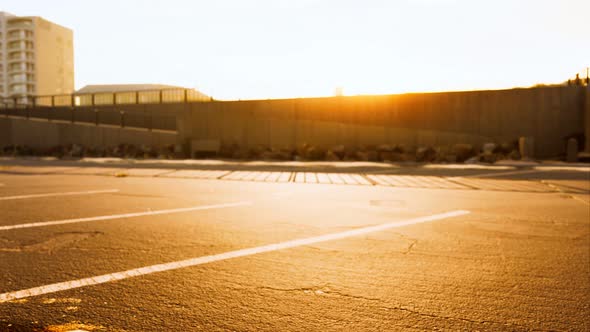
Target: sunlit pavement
x,y
156,249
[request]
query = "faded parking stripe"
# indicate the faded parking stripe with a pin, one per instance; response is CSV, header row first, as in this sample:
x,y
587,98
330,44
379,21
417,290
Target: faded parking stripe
x,y
120,216
71,193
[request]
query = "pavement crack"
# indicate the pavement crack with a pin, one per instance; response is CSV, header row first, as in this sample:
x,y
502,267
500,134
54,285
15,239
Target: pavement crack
x,y
55,242
327,291
451,318
138,195
356,297
410,247
323,249
315,290
423,314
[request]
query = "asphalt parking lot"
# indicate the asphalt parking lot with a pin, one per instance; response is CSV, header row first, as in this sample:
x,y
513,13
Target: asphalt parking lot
x,y
128,249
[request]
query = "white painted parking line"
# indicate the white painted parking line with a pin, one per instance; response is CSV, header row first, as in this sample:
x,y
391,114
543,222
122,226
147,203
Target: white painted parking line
x,y
580,200
563,192
563,169
494,174
125,215
71,193
504,185
62,286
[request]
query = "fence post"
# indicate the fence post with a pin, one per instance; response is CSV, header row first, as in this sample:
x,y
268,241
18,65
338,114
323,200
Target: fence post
x,y
49,109
185,96
136,97
151,123
122,118
73,103
92,99
96,117
161,97
587,120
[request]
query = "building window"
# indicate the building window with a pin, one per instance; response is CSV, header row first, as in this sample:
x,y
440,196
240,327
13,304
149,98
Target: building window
x,y
18,77
15,34
15,55
14,44
19,88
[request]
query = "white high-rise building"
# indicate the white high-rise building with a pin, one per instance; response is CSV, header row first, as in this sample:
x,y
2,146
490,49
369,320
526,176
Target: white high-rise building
x,y
36,57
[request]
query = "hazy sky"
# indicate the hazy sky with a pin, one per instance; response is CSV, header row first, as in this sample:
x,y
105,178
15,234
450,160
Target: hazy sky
x,y
240,49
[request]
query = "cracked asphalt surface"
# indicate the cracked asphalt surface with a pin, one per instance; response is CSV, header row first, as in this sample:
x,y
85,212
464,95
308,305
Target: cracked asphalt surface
x,y
518,261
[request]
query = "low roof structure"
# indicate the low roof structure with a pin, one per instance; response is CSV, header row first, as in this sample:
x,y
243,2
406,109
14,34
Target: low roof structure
x,y
106,88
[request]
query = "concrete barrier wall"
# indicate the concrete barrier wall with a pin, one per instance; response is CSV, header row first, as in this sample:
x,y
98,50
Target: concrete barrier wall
x,y
157,116
587,121
44,134
547,113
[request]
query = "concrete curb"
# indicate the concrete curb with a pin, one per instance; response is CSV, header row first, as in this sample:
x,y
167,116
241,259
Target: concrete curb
x,y
287,166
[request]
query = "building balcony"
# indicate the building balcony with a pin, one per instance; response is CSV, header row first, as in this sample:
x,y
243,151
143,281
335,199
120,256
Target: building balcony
x,y
20,46
20,49
19,53
21,80
17,92
22,58
17,47
14,69
19,36
19,25
21,69
12,83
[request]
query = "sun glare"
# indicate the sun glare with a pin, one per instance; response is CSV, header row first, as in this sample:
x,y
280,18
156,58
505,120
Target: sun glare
x,y
278,49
